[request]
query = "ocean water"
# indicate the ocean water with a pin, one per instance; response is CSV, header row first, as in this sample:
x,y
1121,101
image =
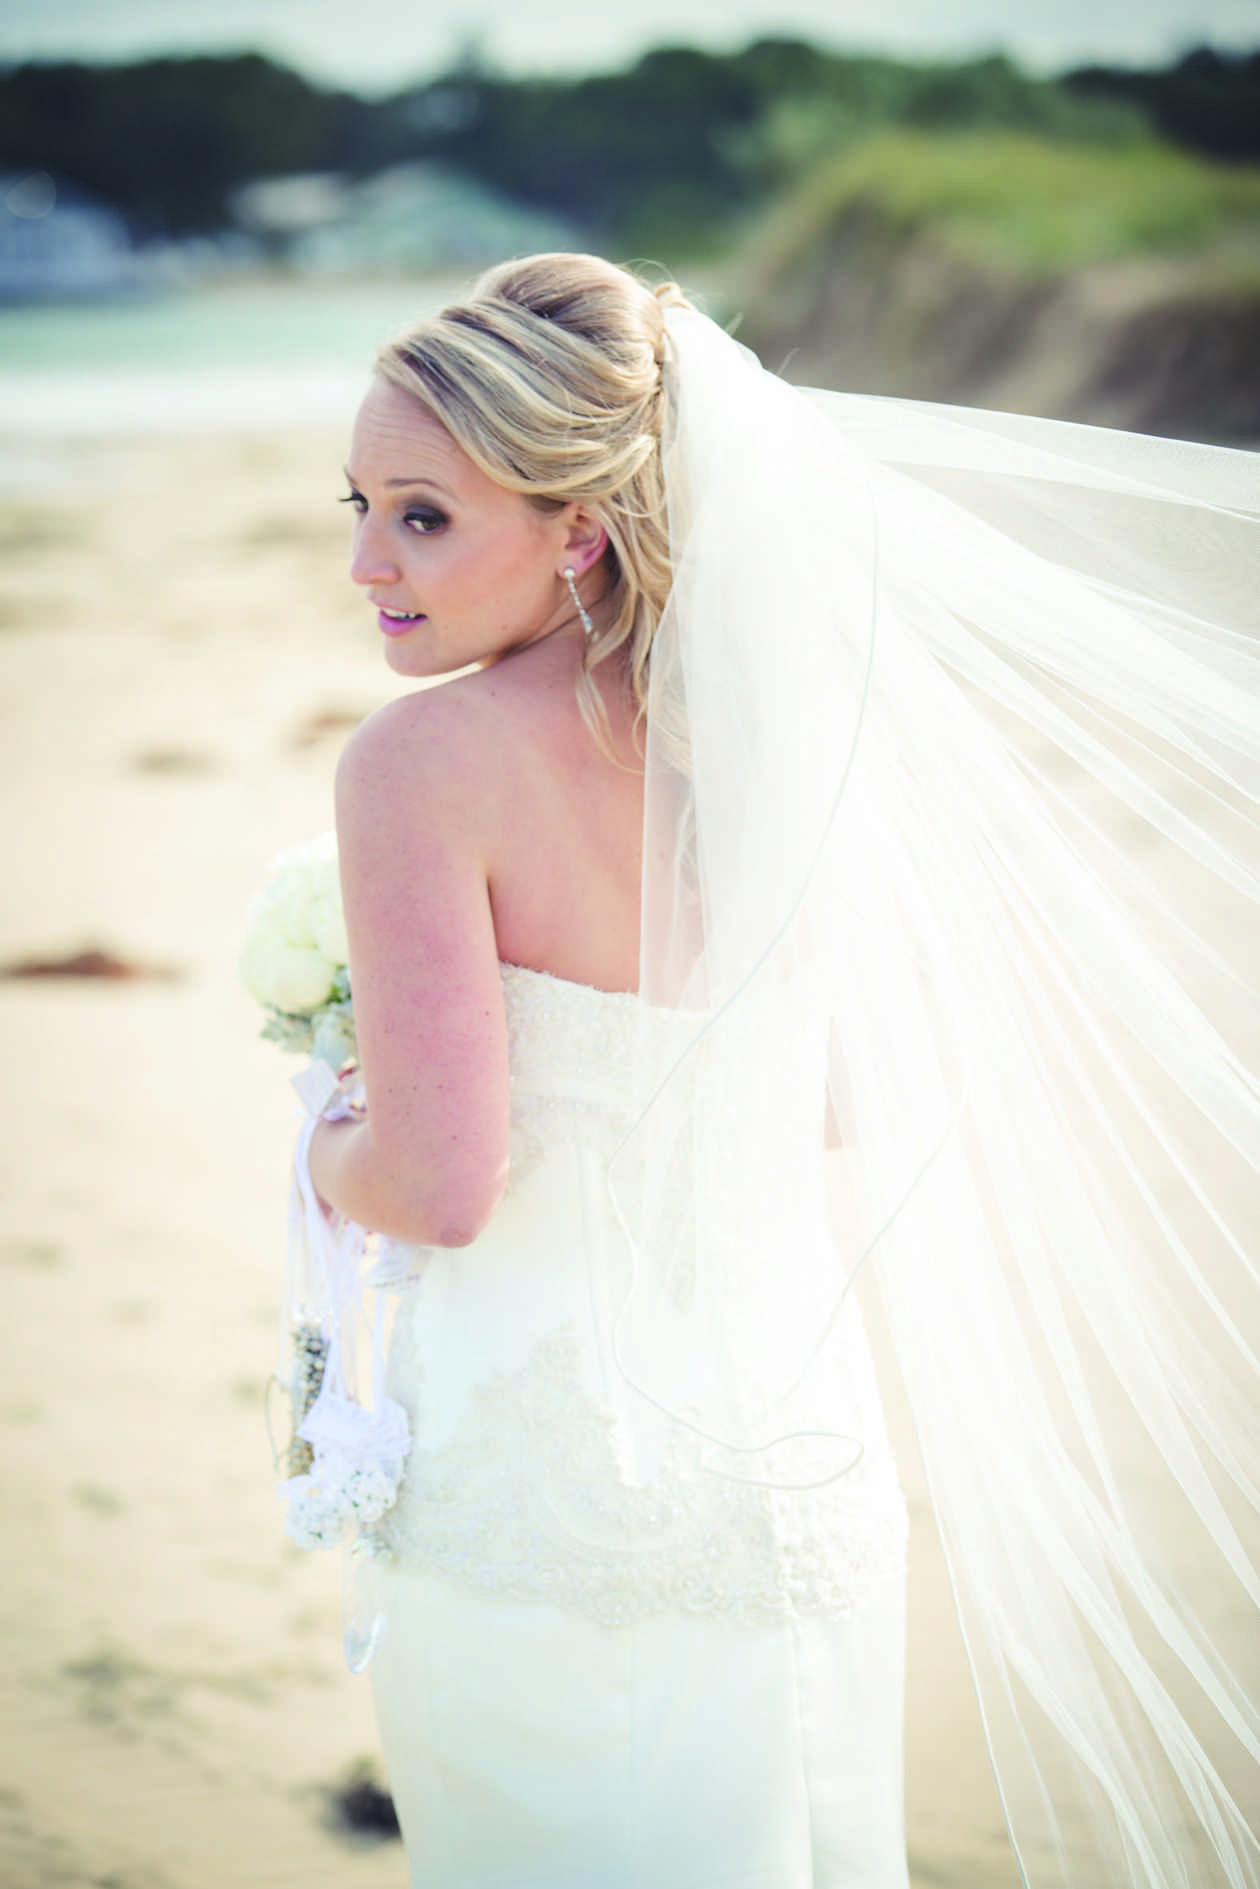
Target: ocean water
x,y
229,357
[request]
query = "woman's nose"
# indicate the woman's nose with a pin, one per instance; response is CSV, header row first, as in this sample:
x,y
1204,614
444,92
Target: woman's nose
x,y
370,559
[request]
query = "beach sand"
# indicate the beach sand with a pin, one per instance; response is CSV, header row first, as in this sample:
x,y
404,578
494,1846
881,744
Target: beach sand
x,y
182,656
178,646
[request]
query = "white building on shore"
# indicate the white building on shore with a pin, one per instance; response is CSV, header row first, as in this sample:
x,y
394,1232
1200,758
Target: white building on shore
x,y
412,217
57,242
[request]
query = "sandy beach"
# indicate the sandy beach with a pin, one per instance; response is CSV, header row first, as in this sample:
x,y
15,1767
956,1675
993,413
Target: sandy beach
x,y
174,1706
182,656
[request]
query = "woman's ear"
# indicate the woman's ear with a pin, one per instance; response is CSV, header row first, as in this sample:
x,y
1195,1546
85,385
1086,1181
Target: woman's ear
x,y
585,540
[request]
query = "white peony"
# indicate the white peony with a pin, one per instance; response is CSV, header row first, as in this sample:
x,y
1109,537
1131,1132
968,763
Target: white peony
x,y
295,954
292,977
328,927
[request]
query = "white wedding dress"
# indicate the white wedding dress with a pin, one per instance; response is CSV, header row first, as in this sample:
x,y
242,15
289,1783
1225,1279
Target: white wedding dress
x,y
603,1666
951,776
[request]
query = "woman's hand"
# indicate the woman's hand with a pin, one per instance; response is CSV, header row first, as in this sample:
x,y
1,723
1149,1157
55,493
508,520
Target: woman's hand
x,y
344,1105
322,1159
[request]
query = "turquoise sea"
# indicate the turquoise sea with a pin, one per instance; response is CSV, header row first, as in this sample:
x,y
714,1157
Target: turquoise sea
x,y
208,359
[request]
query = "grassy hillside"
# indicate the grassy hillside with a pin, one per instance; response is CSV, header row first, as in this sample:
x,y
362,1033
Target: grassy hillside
x,y
1117,284
1025,203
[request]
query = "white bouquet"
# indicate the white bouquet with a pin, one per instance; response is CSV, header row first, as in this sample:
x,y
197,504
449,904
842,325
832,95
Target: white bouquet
x,y
344,1461
295,956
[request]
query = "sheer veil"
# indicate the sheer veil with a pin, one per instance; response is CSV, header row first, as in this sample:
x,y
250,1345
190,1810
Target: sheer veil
x,y
952,773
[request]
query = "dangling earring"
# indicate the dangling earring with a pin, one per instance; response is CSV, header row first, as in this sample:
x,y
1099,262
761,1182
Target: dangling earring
x,y
570,577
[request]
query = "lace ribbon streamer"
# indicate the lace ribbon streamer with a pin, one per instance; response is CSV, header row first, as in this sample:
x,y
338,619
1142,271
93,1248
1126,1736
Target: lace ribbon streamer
x,y
357,1450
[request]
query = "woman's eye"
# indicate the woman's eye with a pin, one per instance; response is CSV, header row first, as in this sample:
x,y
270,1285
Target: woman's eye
x,y
423,519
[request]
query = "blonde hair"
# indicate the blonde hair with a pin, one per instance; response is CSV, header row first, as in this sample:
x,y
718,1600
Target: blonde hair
x,y
549,378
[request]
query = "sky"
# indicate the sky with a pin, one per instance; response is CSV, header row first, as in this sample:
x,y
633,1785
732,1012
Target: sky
x,y
381,45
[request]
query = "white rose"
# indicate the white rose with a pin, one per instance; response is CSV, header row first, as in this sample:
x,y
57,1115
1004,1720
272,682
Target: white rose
x,y
275,916
292,977
328,928
305,856
325,873
291,913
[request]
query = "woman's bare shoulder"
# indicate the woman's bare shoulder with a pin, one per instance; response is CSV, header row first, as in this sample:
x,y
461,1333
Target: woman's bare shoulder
x,y
429,714
442,740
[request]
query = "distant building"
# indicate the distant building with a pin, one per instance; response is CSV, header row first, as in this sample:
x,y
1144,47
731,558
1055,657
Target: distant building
x,y
57,242
411,217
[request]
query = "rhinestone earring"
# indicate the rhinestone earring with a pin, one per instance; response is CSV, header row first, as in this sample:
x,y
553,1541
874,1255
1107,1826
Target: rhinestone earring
x,y
570,577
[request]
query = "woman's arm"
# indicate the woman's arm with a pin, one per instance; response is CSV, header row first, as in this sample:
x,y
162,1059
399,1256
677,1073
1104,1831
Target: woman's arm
x,y
429,1162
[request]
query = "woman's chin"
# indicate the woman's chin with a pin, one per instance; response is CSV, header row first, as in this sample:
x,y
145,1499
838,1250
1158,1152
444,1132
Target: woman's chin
x,y
407,657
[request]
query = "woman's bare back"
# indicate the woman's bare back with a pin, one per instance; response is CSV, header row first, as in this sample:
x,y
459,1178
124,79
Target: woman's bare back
x,y
566,855
478,822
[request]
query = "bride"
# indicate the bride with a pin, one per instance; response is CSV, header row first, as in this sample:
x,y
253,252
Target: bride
x,y
798,776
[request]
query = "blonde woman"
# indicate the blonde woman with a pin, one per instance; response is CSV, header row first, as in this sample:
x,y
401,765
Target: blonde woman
x,y
721,838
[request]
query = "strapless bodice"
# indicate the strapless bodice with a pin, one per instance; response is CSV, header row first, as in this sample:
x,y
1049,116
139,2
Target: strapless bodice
x,y
527,1472
570,1059
568,1038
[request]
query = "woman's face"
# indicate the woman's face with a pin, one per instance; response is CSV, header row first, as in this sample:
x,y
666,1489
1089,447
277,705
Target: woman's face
x,y
459,570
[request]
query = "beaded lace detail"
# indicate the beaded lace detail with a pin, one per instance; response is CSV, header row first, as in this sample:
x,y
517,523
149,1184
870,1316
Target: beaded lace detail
x,y
528,1501
569,1048
528,1497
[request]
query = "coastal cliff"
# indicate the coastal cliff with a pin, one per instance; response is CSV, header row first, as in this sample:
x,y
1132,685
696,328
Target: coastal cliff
x,y
1122,289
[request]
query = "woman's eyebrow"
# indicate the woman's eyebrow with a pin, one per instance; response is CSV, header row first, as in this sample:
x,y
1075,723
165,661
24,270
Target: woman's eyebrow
x,y
406,480
420,479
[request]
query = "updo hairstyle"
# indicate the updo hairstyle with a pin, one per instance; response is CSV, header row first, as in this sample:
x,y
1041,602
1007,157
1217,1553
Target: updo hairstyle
x,y
549,378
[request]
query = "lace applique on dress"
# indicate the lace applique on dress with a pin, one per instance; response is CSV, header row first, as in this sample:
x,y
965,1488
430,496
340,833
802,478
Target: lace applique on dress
x,y
569,1047
526,1495
528,1501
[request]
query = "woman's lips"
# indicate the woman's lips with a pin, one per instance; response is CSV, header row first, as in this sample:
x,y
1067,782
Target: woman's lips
x,y
397,626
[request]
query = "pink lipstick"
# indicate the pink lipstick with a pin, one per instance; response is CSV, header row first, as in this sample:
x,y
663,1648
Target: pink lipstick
x,y
397,626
